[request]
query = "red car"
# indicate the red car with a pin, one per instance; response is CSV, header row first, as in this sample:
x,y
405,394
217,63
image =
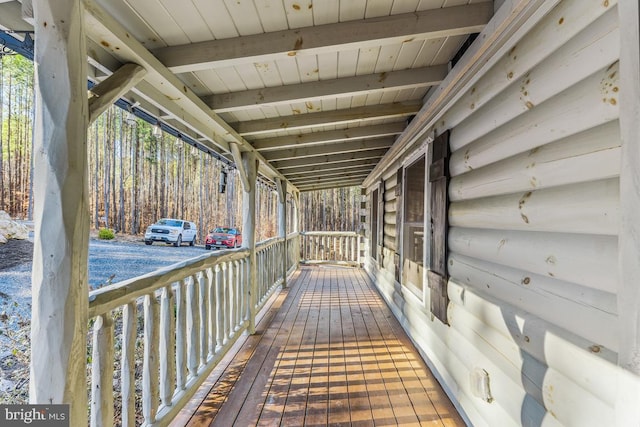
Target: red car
x,y
223,237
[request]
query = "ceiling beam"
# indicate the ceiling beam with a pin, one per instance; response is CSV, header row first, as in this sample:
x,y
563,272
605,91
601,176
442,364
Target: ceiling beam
x,y
320,179
331,171
329,137
335,148
105,93
330,185
329,159
351,35
324,89
327,118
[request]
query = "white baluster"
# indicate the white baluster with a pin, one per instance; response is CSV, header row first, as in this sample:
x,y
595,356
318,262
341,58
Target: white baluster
x,y
102,372
127,364
167,344
150,394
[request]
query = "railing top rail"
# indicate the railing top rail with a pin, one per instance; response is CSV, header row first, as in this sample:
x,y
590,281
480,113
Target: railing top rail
x,y
109,297
268,242
328,233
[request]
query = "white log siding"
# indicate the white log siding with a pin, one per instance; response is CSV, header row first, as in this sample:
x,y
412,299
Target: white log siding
x,y
534,225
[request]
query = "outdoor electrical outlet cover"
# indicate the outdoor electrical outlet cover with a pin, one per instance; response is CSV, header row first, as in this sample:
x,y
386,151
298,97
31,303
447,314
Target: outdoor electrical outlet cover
x,y
480,384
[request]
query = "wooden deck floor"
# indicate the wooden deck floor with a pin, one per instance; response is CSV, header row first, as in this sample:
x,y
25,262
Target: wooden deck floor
x,y
328,352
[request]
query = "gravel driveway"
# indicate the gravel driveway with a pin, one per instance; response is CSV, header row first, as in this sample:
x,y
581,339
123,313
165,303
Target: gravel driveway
x,y
109,262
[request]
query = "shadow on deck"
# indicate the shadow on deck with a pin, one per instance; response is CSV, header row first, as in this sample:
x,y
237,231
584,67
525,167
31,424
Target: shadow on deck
x,y
327,351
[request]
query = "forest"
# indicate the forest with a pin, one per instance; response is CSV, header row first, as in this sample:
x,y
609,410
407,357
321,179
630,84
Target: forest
x,y
138,174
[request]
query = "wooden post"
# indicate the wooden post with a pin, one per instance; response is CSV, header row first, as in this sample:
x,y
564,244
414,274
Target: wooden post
x,y
282,224
629,237
59,279
248,167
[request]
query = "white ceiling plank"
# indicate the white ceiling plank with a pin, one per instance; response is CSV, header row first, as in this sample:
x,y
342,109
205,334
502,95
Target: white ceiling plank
x,y
429,50
408,54
347,63
212,81
250,77
406,6
157,16
307,68
388,97
329,104
449,48
299,13
430,4
288,69
232,79
272,15
352,10
269,112
133,22
367,60
333,148
343,103
188,18
358,101
245,16
217,18
326,12
328,137
328,66
374,98
269,73
376,8
368,33
387,58
193,81
343,117
315,91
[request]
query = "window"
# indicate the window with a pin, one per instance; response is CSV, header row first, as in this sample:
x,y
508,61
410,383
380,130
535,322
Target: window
x,y
413,226
374,224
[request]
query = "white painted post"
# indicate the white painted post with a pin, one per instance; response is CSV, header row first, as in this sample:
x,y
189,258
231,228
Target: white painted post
x,y
250,167
59,278
281,186
127,369
629,237
102,372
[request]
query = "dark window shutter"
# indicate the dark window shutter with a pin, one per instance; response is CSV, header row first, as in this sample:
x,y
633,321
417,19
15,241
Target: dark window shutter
x,y
438,224
378,249
397,258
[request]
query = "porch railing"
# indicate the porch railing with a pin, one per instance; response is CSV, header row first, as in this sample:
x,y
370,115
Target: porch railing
x,y
191,314
330,247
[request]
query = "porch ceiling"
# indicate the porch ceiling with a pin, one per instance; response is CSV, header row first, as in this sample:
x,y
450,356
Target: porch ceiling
x,y
320,90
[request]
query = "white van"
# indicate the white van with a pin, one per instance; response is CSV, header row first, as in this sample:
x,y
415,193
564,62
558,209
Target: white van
x,y
171,231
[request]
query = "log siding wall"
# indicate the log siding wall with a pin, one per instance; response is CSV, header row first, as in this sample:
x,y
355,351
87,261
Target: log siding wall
x,y
533,238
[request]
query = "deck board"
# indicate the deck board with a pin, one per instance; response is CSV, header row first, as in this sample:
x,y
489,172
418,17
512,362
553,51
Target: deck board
x,y
329,352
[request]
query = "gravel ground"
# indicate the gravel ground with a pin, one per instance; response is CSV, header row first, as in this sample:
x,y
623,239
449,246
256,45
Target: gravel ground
x,y
109,262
